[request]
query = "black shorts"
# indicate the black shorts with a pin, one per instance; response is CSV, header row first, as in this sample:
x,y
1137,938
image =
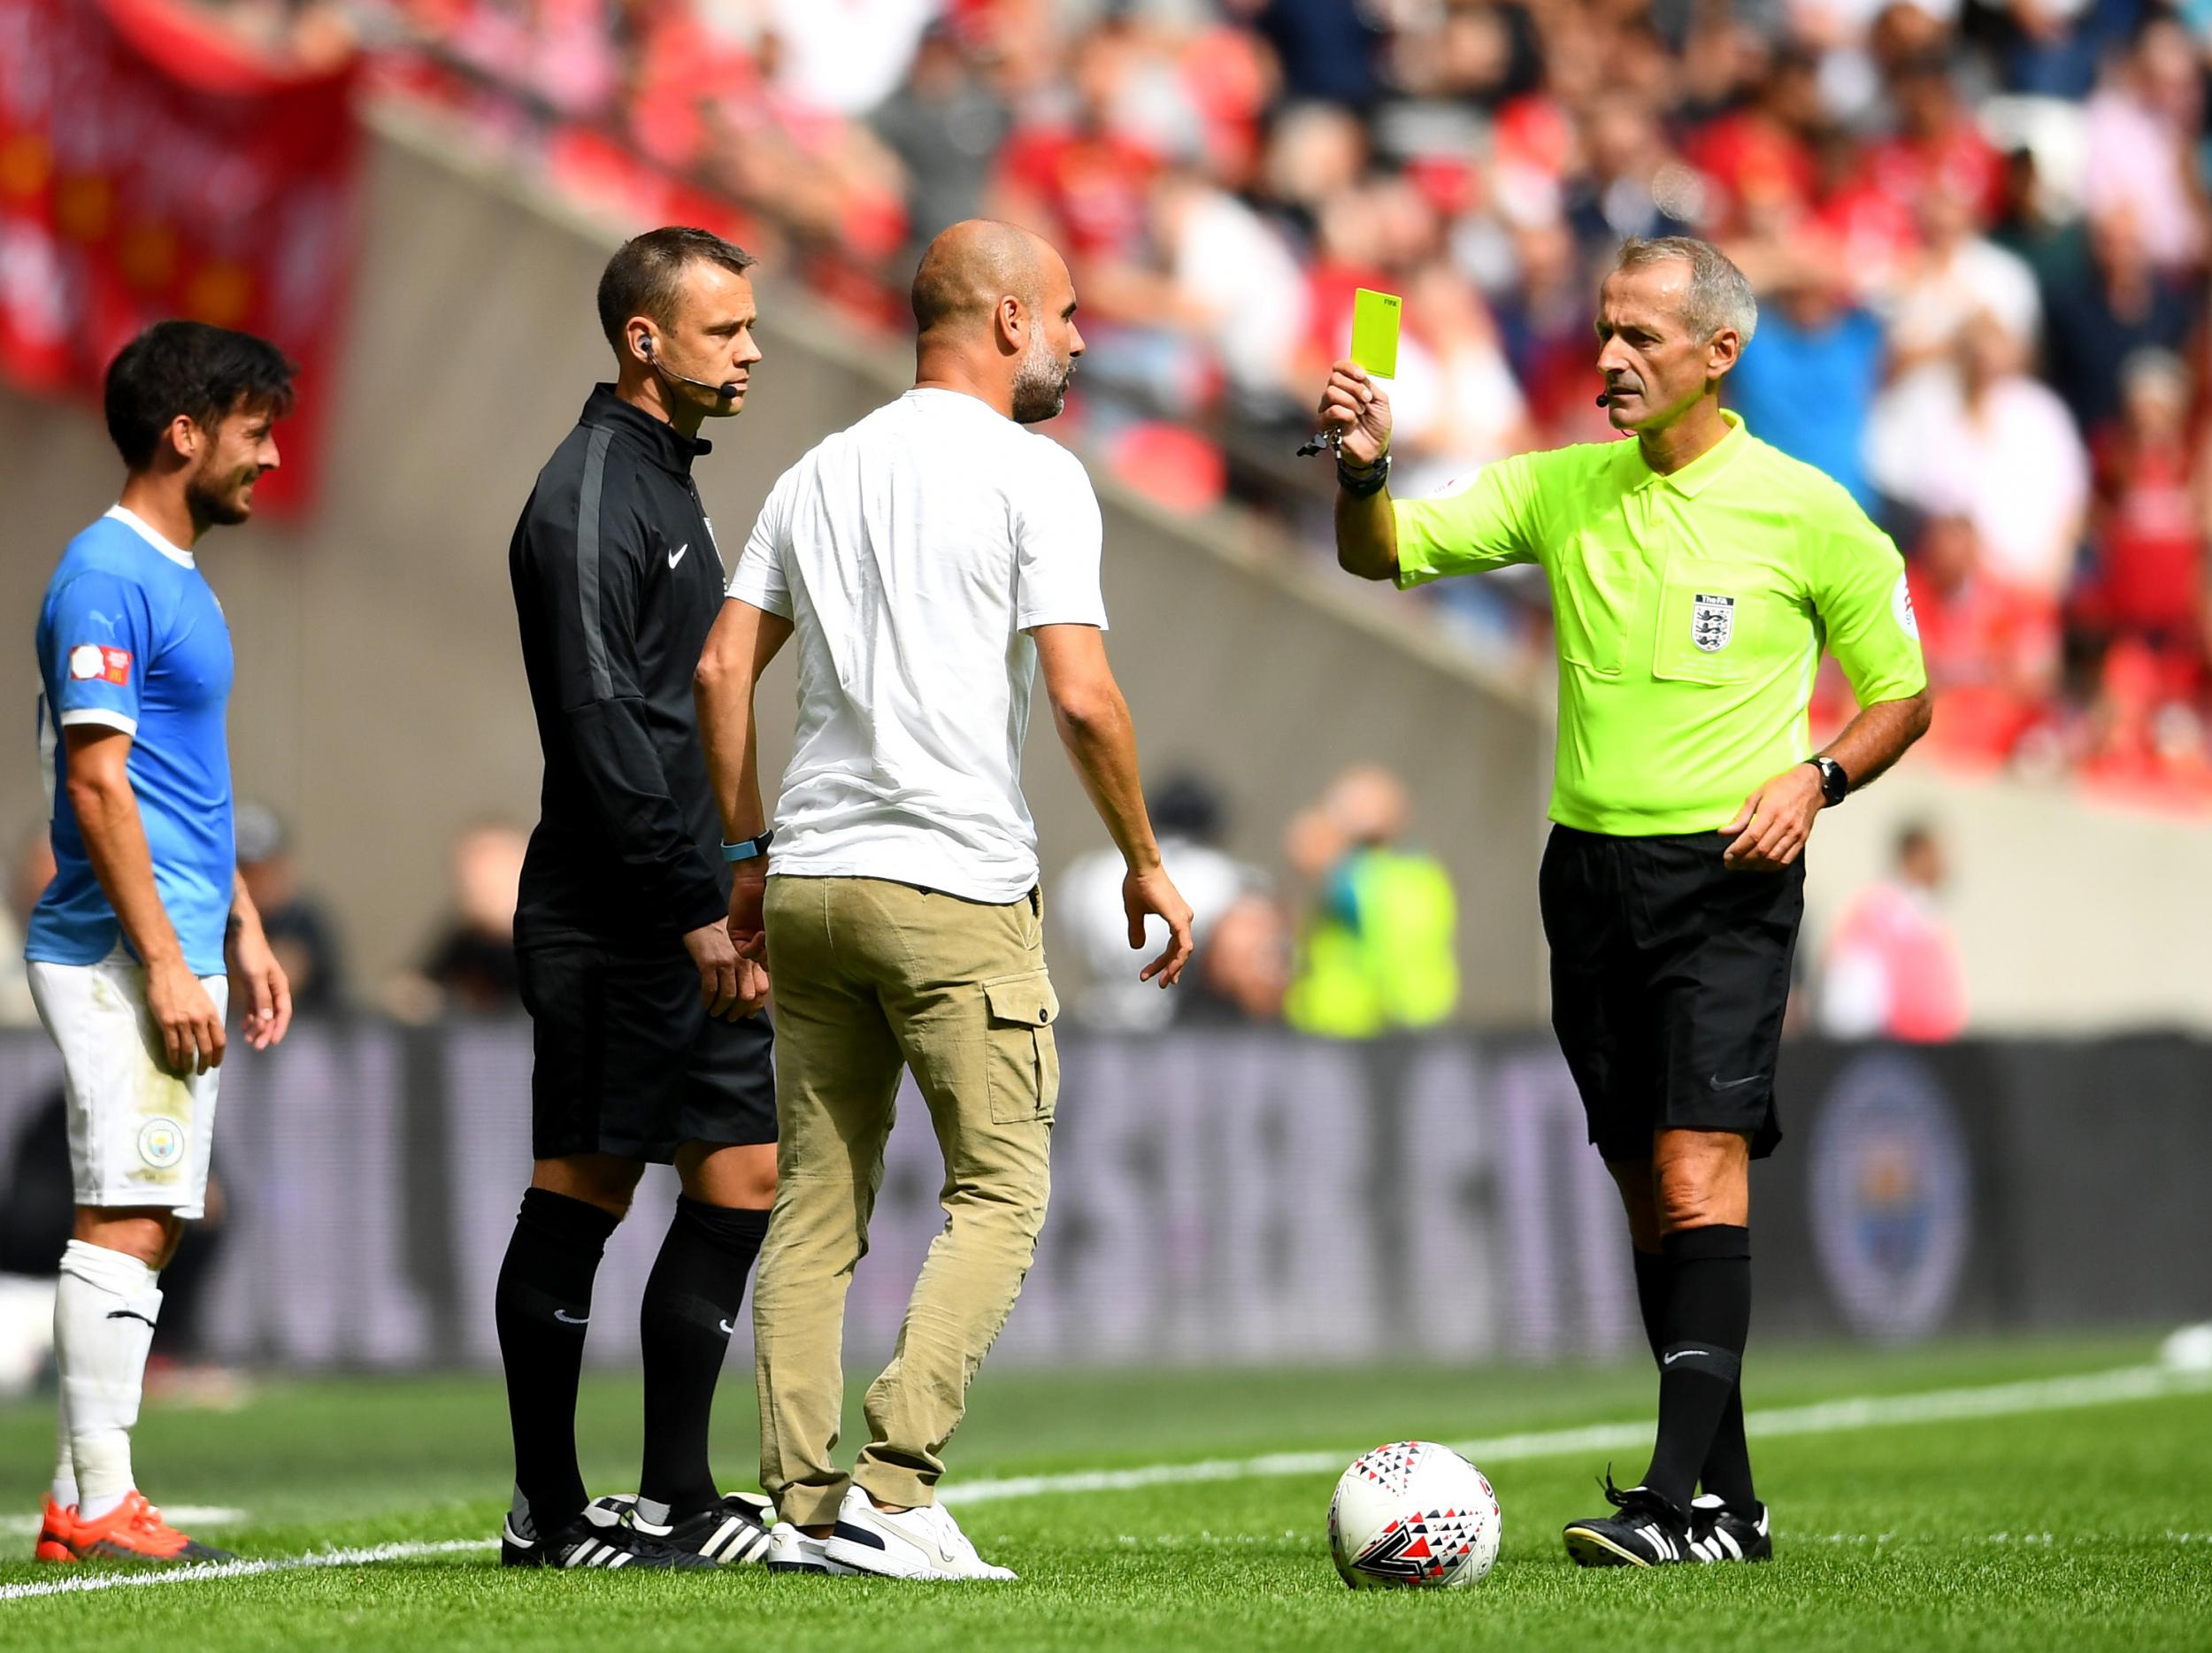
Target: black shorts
x,y
1670,974
629,1062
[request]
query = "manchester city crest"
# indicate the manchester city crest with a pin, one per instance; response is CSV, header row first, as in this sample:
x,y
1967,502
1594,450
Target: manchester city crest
x,y
1712,622
161,1142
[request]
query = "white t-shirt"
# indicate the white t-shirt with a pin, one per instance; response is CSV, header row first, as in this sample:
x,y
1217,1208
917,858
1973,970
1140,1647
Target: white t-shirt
x,y
913,553
1934,304
2016,466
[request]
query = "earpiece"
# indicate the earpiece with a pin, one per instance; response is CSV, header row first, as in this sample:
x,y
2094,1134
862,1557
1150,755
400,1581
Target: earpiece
x,y
726,392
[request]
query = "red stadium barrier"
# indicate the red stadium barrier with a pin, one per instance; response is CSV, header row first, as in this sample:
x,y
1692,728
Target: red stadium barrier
x,y
152,166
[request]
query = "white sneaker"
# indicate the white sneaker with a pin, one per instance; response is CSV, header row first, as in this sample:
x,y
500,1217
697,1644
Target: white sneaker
x,y
924,1542
790,1551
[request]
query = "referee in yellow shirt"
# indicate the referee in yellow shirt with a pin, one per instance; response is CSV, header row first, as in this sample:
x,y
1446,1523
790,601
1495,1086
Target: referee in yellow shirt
x,y
1695,575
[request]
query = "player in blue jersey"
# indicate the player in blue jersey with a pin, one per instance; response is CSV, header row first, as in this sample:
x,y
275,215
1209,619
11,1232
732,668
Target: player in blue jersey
x,y
128,947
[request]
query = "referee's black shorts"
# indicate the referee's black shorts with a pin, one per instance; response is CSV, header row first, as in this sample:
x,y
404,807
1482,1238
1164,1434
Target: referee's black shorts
x,y
629,1062
1670,974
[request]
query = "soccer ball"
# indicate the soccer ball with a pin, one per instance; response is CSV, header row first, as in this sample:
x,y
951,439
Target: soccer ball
x,y
1413,1513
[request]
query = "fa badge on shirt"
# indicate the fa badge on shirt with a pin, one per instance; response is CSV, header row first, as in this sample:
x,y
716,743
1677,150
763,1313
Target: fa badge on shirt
x,y
1712,622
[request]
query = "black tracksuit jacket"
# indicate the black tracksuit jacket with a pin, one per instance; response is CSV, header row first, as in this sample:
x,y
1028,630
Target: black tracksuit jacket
x,y
616,582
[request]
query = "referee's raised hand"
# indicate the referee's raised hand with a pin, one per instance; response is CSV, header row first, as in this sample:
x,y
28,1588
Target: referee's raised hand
x,y
1355,402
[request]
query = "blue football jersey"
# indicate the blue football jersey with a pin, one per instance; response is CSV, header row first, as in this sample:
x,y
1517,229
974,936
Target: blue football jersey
x,y
131,637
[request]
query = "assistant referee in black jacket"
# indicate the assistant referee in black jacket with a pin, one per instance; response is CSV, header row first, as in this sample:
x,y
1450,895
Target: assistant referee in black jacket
x,y
648,1044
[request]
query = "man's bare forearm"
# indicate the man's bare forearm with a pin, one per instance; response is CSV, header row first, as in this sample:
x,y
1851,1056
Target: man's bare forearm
x,y
743,642
1879,735
1101,742
115,843
1366,536
729,731
243,914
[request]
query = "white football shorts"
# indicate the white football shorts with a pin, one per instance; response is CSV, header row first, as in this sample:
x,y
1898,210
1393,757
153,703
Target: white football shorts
x,y
138,1134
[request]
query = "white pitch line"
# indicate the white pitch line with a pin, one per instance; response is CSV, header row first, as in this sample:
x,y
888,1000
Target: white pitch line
x,y
207,1571
2034,1541
2000,1400
1783,1535
186,1515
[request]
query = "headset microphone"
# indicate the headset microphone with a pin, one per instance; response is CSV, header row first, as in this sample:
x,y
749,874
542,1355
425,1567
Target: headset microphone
x,y
727,392
1604,400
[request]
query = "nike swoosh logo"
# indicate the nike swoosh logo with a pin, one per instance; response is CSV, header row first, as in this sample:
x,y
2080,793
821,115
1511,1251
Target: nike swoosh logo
x,y
127,1314
727,1329
566,1318
677,556
1718,1083
1668,1360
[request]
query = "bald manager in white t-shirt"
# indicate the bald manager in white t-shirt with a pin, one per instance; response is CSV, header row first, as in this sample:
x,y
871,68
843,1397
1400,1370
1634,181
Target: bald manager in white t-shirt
x,y
928,559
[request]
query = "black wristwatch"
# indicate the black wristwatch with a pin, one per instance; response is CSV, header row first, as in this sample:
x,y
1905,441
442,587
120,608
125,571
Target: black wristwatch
x,y
1360,482
1835,786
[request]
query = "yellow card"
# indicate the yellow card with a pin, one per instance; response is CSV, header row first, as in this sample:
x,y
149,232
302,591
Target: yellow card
x,y
1375,332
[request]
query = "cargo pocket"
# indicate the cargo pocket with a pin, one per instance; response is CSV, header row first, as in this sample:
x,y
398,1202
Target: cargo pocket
x,y
1021,1059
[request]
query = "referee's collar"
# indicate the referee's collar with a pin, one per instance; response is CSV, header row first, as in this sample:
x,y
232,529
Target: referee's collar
x,y
668,447
1692,478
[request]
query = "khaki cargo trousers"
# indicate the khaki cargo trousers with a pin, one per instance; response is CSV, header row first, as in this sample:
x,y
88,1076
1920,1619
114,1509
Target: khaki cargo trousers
x,y
872,977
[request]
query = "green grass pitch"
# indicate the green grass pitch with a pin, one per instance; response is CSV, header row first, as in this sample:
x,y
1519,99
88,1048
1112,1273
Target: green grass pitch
x,y
2079,1528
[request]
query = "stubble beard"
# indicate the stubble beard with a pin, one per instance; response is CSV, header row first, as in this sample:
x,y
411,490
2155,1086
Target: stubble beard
x,y
224,505
1040,383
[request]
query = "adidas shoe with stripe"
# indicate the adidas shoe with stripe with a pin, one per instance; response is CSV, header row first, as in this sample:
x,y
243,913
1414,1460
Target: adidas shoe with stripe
x,y
1649,1532
1719,1533
588,1542
729,1533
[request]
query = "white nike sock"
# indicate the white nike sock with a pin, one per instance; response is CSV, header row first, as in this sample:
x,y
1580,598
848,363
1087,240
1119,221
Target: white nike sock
x,y
104,1322
65,1486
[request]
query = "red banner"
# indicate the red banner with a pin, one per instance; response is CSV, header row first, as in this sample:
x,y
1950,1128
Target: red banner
x,y
152,166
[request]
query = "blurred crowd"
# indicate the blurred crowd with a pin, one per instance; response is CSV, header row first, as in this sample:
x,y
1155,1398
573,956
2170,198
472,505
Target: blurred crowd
x,y
1359,943
1978,229
1355,936
465,965
1359,940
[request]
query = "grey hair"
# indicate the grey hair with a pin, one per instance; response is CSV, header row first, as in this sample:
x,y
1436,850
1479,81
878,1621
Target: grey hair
x,y
1719,297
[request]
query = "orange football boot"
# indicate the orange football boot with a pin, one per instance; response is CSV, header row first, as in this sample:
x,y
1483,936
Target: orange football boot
x,y
54,1527
134,1531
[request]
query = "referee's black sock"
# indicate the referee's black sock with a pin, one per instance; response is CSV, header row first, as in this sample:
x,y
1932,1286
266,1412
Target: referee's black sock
x,y
543,1307
1652,1275
1707,1320
1727,1471
691,1306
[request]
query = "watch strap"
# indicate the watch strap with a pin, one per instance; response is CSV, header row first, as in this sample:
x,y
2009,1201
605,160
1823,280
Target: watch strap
x,y
1835,782
1362,480
747,849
